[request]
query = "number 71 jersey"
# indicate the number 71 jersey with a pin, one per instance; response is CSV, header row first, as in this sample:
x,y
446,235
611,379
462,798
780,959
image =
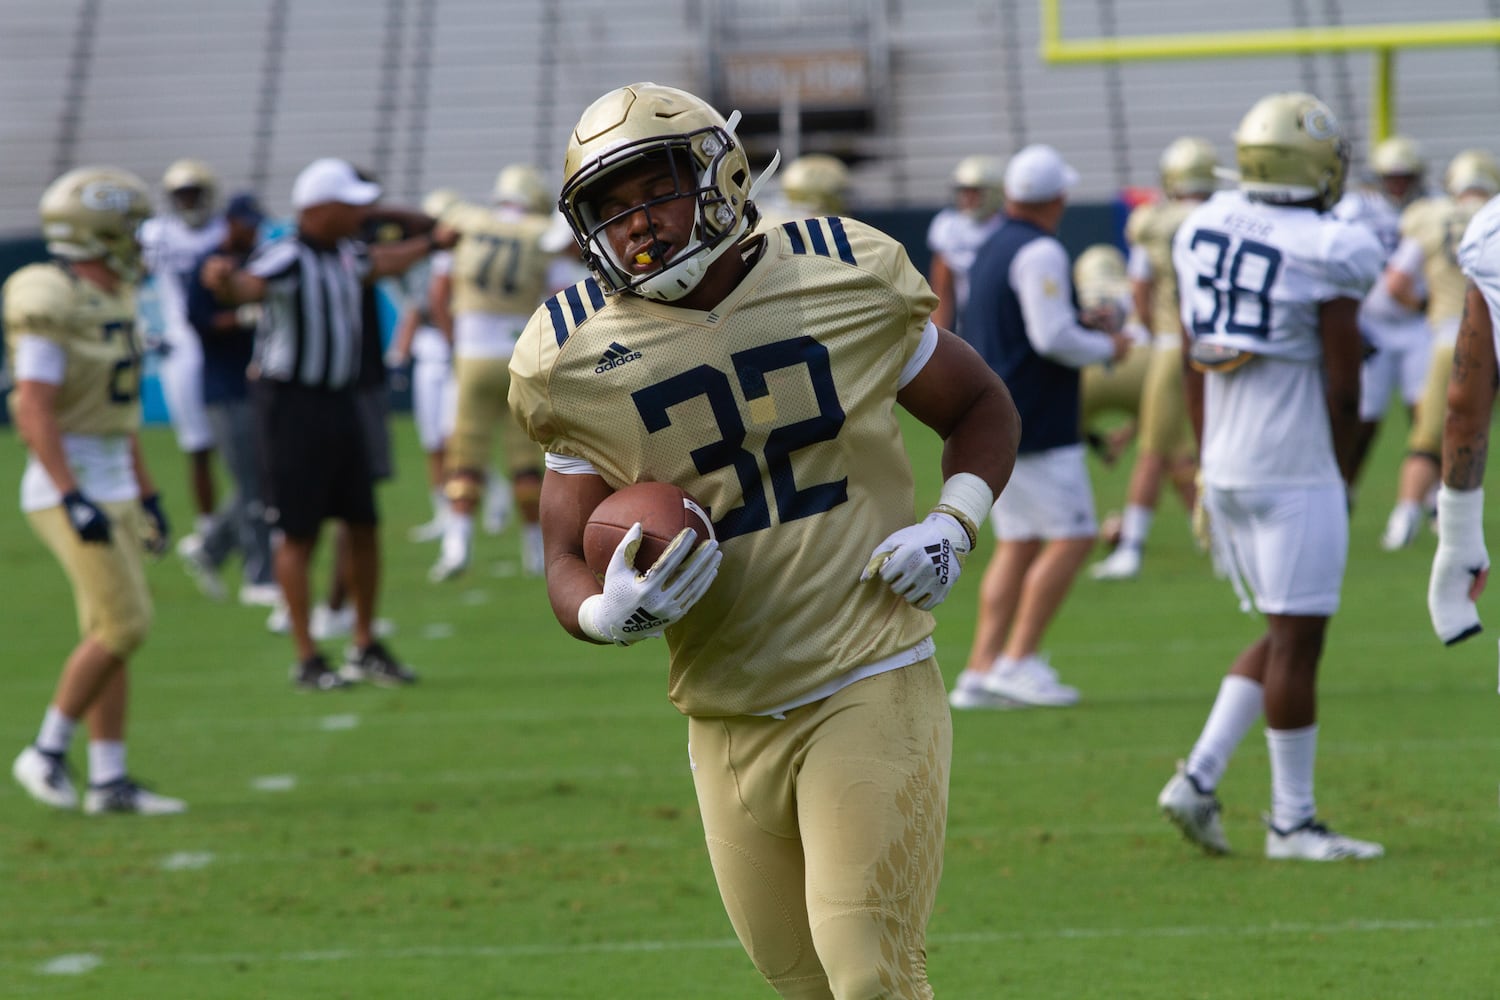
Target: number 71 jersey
x,y
775,410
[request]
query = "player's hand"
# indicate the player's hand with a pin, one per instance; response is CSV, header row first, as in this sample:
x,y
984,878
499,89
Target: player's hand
x,y
158,531
214,274
87,518
921,563
1460,567
636,606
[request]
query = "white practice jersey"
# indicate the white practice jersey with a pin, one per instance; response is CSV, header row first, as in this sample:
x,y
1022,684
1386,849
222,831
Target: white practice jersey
x,y
171,249
1252,276
1384,321
958,236
1479,257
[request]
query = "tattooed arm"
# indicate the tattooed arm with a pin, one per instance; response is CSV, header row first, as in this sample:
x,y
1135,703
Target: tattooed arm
x,y
1471,396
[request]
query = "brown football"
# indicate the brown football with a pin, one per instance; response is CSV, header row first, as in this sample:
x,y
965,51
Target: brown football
x,y
662,510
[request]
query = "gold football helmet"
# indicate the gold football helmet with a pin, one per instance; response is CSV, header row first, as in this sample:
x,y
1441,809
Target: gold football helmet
x,y
192,188
1099,276
521,185
816,182
643,120
1290,148
92,213
986,175
1472,170
1397,155
1187,168
440,200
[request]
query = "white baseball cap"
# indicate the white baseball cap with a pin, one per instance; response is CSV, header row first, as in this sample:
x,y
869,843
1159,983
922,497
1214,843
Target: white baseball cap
x,y
331,180
1038,173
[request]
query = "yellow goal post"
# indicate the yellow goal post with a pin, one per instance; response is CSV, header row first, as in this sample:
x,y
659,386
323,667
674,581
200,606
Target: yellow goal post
x,y
1383,40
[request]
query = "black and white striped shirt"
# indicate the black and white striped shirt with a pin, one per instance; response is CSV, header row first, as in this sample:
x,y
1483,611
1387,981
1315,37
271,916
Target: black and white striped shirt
x,y
310,330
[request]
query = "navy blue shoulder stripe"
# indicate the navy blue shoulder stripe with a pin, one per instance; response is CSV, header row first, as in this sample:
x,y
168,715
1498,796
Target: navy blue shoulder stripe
x,y
561,328
817,239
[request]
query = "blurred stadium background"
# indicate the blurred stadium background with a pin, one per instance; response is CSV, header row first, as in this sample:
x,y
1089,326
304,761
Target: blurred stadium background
x,y
441,93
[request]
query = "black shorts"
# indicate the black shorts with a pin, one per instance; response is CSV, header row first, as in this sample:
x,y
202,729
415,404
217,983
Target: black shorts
x,y
374,423
315,457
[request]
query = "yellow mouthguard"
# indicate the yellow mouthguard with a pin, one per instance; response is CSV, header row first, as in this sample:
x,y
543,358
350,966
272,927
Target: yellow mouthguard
x,y
644,257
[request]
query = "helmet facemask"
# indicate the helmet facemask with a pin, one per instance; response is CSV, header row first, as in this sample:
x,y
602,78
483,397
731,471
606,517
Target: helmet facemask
x,y
706,166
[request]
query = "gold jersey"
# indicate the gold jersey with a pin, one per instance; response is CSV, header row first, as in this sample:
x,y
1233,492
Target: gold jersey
x,y
776,410
499,266
96,329
1151,227
1437,225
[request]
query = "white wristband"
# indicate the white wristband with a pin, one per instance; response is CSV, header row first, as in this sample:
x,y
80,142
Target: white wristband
x,y
968,499
586,622
1461,517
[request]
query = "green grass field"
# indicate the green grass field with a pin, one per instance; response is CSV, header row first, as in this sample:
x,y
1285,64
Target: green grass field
x,y
521,824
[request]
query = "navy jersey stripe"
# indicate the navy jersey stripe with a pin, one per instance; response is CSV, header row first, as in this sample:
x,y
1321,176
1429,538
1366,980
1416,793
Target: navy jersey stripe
x,y
596,294
794,237
559,325
815,234
575,303
840,239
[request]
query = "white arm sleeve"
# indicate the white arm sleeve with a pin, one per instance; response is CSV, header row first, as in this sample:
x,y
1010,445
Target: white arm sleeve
x,y
570,466
40,360
1407,258
1039,275
920,356
1139,265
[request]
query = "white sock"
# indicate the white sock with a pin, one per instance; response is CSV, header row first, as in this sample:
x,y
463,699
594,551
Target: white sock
x,y
1293,754
1135,525
202,524
56,733
106,761
1408,508
456,536
439,505
1238,705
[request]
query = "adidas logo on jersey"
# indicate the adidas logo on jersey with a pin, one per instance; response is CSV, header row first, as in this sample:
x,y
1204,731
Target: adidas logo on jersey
x,y
641,620
615,356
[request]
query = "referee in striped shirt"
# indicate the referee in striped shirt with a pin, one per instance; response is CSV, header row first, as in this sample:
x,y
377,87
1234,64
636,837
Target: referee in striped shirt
x,y
306,364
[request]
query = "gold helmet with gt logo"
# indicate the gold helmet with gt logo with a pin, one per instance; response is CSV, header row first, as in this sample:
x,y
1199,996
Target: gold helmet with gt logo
x,y
984,175
1289,149
192,188
1397,156
92,213
521,185
1187,168
817,182
645,121
1472,170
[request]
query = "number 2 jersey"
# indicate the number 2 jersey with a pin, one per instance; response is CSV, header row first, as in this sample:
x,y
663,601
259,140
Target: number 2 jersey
x,y
97,405
775,409
1251,276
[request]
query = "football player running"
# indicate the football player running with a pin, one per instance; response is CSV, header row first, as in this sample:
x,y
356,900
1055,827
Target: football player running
x,y
1461,566
497,277
1271,287
1165,449
71,344
765,369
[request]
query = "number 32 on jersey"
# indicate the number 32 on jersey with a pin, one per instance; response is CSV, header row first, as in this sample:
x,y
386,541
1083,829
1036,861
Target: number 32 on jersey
x,y
751,367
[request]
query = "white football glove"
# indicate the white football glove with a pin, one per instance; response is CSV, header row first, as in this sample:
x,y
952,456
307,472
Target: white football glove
x,y
1460,566
921,562
636,606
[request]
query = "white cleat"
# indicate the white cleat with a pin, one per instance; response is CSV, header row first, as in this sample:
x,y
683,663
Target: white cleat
x,y
1401,528
327,623
198,565
447,569
45,778
124,796
1195,812
1030,681
1124,563
260,595
969,692
1312,841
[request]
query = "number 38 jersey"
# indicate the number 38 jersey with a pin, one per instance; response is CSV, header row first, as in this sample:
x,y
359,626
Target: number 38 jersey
x,y
776,411
96,331
1251,276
